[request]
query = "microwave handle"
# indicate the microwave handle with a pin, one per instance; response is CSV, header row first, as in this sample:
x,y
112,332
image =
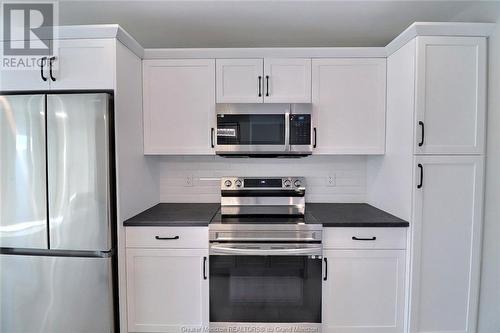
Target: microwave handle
x,y
287,131
212,132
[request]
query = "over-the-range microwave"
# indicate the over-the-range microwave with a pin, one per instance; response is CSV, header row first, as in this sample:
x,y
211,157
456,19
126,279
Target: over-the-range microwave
x,y
264,130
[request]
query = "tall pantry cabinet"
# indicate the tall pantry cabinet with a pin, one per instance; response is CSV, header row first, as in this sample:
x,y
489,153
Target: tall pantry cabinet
x,y
433,173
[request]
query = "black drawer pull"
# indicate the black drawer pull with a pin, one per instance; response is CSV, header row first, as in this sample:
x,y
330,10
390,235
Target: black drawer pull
x,y
267,85
260,86
42,65
204,268
421,143
166,238
326,269
51,59
421,167
364,239
315,137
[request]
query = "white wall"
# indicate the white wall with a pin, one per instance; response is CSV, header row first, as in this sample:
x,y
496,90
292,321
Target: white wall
x,y
489,306
349,173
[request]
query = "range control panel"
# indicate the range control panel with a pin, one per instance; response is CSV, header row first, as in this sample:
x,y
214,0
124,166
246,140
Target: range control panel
x,y
241,183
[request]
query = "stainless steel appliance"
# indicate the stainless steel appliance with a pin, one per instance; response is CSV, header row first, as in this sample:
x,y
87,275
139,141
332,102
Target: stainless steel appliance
x,y
264,130
57,238
265,258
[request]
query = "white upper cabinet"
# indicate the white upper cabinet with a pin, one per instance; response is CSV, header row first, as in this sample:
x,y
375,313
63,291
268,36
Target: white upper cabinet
x,y
287,80
447,218
179,106
239,81
74,64
348,97
450,95
33,77
364,291
83,64
263,80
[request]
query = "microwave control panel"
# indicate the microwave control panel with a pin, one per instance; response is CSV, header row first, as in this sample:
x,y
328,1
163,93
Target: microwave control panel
x,y
300,129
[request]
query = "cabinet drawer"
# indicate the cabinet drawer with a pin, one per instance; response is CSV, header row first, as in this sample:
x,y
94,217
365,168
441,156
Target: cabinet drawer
x,y
364,238
167,237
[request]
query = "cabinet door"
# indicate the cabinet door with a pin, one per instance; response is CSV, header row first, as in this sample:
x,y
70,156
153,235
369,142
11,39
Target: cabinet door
x,y
167,290
348,98
450,95
364,291
240,80
26,77
446,243
84,64
179,106
287,80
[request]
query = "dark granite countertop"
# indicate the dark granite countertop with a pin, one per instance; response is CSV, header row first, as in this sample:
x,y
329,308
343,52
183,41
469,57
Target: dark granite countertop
x,y
328,214
175,215
353,215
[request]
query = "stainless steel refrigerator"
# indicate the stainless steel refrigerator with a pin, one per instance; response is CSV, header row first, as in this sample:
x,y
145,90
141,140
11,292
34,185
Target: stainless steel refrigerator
x,y
57,261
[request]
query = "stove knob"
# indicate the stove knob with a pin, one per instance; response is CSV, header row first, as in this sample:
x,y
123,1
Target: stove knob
x,y
287,183
228,183
238,183
297,183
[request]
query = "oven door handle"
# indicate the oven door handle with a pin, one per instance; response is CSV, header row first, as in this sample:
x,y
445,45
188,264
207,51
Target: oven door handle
x,y
295,251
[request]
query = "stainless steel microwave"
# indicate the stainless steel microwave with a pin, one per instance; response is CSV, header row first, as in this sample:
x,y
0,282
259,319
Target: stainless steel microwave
x,y
263,130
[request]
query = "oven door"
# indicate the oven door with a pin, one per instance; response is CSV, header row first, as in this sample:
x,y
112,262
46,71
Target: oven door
x,y
265,283
251,134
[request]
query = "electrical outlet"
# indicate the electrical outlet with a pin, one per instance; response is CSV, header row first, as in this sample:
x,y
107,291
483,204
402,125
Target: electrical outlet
x,y
188,181
330,181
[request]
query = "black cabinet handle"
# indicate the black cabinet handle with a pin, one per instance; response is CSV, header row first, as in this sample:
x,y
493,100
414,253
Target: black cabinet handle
x,y
364,239
166,238
260,86
212,137
421,175
315,137
204,268
51,59
421,143
267,85
42,65
326,269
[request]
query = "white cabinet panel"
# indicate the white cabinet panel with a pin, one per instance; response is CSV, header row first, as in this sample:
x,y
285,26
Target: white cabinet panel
x,y
28,77
84,64
450,95
167,237
364,291
446,243
348,98
372,238
239,81
166,290
287,80
179,106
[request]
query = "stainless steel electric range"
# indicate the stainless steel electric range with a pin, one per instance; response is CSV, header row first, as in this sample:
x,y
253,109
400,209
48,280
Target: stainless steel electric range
x,y
265,258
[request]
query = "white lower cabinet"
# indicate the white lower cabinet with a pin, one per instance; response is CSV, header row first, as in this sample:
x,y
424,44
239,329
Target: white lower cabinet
x,y
364,280
167,290
447,218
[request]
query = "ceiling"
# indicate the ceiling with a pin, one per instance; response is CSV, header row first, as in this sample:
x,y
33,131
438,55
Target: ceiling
x,y
186,24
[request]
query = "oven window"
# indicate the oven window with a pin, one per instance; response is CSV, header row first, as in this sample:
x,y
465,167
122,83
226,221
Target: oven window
x,y
251,129
265,289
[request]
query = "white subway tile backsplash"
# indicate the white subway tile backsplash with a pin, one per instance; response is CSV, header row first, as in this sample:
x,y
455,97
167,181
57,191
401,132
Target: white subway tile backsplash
x,y
349,173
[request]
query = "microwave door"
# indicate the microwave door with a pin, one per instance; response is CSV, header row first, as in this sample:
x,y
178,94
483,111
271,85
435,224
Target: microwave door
x,y
251,133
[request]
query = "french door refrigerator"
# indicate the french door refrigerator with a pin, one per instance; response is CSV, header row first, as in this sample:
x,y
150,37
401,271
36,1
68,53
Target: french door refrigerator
x,y
57,259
